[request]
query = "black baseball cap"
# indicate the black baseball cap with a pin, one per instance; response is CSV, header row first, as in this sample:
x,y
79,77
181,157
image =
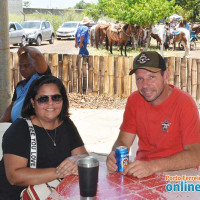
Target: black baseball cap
x,y
149,60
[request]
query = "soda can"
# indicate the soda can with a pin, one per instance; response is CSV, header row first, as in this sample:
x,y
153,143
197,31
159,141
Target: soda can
x,y
122,158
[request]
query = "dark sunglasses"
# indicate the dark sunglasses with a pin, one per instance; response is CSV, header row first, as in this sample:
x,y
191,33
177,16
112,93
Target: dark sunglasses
x,y
56,98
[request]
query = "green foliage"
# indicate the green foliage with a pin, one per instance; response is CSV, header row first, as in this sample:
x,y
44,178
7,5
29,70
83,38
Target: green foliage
x,y
140,12
26,4
81,5
93,12
191,9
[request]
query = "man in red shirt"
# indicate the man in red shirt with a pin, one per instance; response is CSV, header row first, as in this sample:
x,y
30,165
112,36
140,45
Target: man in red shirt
x,y
165,119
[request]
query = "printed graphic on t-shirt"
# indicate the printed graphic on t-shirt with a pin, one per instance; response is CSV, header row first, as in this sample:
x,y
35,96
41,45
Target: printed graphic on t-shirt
x,y
165,125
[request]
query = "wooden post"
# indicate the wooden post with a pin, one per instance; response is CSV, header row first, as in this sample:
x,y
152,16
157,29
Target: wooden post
x,y
96,76
70,73
60,65
65,74
194,79
189,90
166,59
116,76
183,75
90,75
130,77
126,77
134,86
80,74
46,57
106,76
120,60
54,64
198,82
177,72
74,73
84,75
171,70
60,69
122,75
17,75
111,76
101,72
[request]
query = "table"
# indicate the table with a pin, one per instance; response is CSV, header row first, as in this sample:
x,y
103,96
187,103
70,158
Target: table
x,y
118,187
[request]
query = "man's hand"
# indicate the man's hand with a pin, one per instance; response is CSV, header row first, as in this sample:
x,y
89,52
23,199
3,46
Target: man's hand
x,y
111,161
140,169
33,52
76,45
80,45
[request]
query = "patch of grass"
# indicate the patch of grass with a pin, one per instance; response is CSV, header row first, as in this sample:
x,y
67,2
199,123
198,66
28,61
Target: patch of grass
x,y
130,52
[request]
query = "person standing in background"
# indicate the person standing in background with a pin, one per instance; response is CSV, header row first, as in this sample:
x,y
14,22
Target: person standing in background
x,y
82,37
186,25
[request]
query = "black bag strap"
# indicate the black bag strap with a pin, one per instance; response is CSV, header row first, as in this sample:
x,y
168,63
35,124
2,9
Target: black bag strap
x,y
33,150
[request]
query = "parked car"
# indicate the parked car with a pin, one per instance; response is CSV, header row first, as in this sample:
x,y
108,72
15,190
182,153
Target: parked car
x,y
67,30
16,34
38,31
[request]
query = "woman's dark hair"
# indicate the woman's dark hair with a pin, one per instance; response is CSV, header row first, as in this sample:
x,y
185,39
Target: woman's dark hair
x,y
28,110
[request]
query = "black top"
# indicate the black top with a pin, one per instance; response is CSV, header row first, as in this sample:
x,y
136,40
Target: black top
x,y
16,140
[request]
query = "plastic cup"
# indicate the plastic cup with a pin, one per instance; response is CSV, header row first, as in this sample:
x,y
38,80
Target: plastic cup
x,y
88,170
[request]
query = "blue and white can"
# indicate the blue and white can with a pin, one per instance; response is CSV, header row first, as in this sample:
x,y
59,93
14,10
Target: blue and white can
x,y
122,158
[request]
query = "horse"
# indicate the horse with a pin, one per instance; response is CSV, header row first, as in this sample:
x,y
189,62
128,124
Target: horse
x,y
92,35
158,33
142,37
100,34
138,35
196,28
121,34
182,35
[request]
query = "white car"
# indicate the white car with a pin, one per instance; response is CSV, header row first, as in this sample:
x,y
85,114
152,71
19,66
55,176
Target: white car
x,y
16,34
38,31
67,30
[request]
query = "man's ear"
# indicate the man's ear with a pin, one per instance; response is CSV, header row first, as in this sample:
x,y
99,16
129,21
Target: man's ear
x,y
166,76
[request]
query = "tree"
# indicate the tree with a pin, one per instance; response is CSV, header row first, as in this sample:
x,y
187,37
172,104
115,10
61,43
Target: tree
x,y
26,4
81,5
144,13
93,11
141,12
191,8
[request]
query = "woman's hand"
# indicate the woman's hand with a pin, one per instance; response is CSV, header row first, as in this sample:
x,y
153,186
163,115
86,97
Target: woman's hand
x,y
67,167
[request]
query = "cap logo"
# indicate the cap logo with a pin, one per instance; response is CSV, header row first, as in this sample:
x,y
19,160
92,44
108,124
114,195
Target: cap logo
x,y
143,59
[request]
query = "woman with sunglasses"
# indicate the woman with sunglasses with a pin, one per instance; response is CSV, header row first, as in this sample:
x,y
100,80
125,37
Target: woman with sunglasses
x,y
46,105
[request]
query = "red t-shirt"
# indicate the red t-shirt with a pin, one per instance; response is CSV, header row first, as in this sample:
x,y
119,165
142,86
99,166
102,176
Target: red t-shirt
x,y
162,130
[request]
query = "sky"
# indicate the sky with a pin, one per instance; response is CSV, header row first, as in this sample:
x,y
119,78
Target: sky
x,y
56,3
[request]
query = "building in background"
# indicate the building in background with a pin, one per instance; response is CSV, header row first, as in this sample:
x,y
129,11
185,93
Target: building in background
x,y
15,6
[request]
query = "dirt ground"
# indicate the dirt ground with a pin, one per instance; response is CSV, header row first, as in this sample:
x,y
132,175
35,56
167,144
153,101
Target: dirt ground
x,y
67,47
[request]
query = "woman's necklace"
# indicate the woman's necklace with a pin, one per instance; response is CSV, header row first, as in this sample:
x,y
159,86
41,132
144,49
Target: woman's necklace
x,y
53,140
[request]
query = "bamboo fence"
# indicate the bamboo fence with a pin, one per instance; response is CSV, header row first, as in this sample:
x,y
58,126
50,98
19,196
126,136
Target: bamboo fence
x,y
109,75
